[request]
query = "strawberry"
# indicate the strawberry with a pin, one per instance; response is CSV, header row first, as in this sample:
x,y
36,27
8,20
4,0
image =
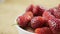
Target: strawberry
x,y
37,22
44,30
38,10
56,11
24,19
54,25
30,8
47,15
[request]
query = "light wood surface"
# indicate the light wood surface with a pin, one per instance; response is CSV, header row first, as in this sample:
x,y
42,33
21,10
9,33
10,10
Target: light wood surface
x,y
11,8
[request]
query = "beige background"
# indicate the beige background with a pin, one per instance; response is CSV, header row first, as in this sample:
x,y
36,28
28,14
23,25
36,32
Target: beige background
x,y
11,8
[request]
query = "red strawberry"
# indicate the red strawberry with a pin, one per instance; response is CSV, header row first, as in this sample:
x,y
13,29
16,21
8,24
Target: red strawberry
x,y
28,15
44,30
38,10
36,33
54,25
55,11
37,22
47,15
30,8
24,19
51,10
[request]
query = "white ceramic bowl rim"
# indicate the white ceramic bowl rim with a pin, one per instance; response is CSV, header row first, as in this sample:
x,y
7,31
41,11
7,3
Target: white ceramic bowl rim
x,y
23,29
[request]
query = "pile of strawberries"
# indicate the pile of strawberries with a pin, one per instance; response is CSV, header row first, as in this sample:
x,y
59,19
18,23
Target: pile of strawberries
x,y
42,21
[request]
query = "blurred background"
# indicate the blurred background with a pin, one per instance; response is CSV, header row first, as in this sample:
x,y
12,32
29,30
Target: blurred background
x,y
9,9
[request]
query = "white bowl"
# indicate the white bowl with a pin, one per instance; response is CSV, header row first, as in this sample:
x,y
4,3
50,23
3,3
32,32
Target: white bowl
x,y
20,30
